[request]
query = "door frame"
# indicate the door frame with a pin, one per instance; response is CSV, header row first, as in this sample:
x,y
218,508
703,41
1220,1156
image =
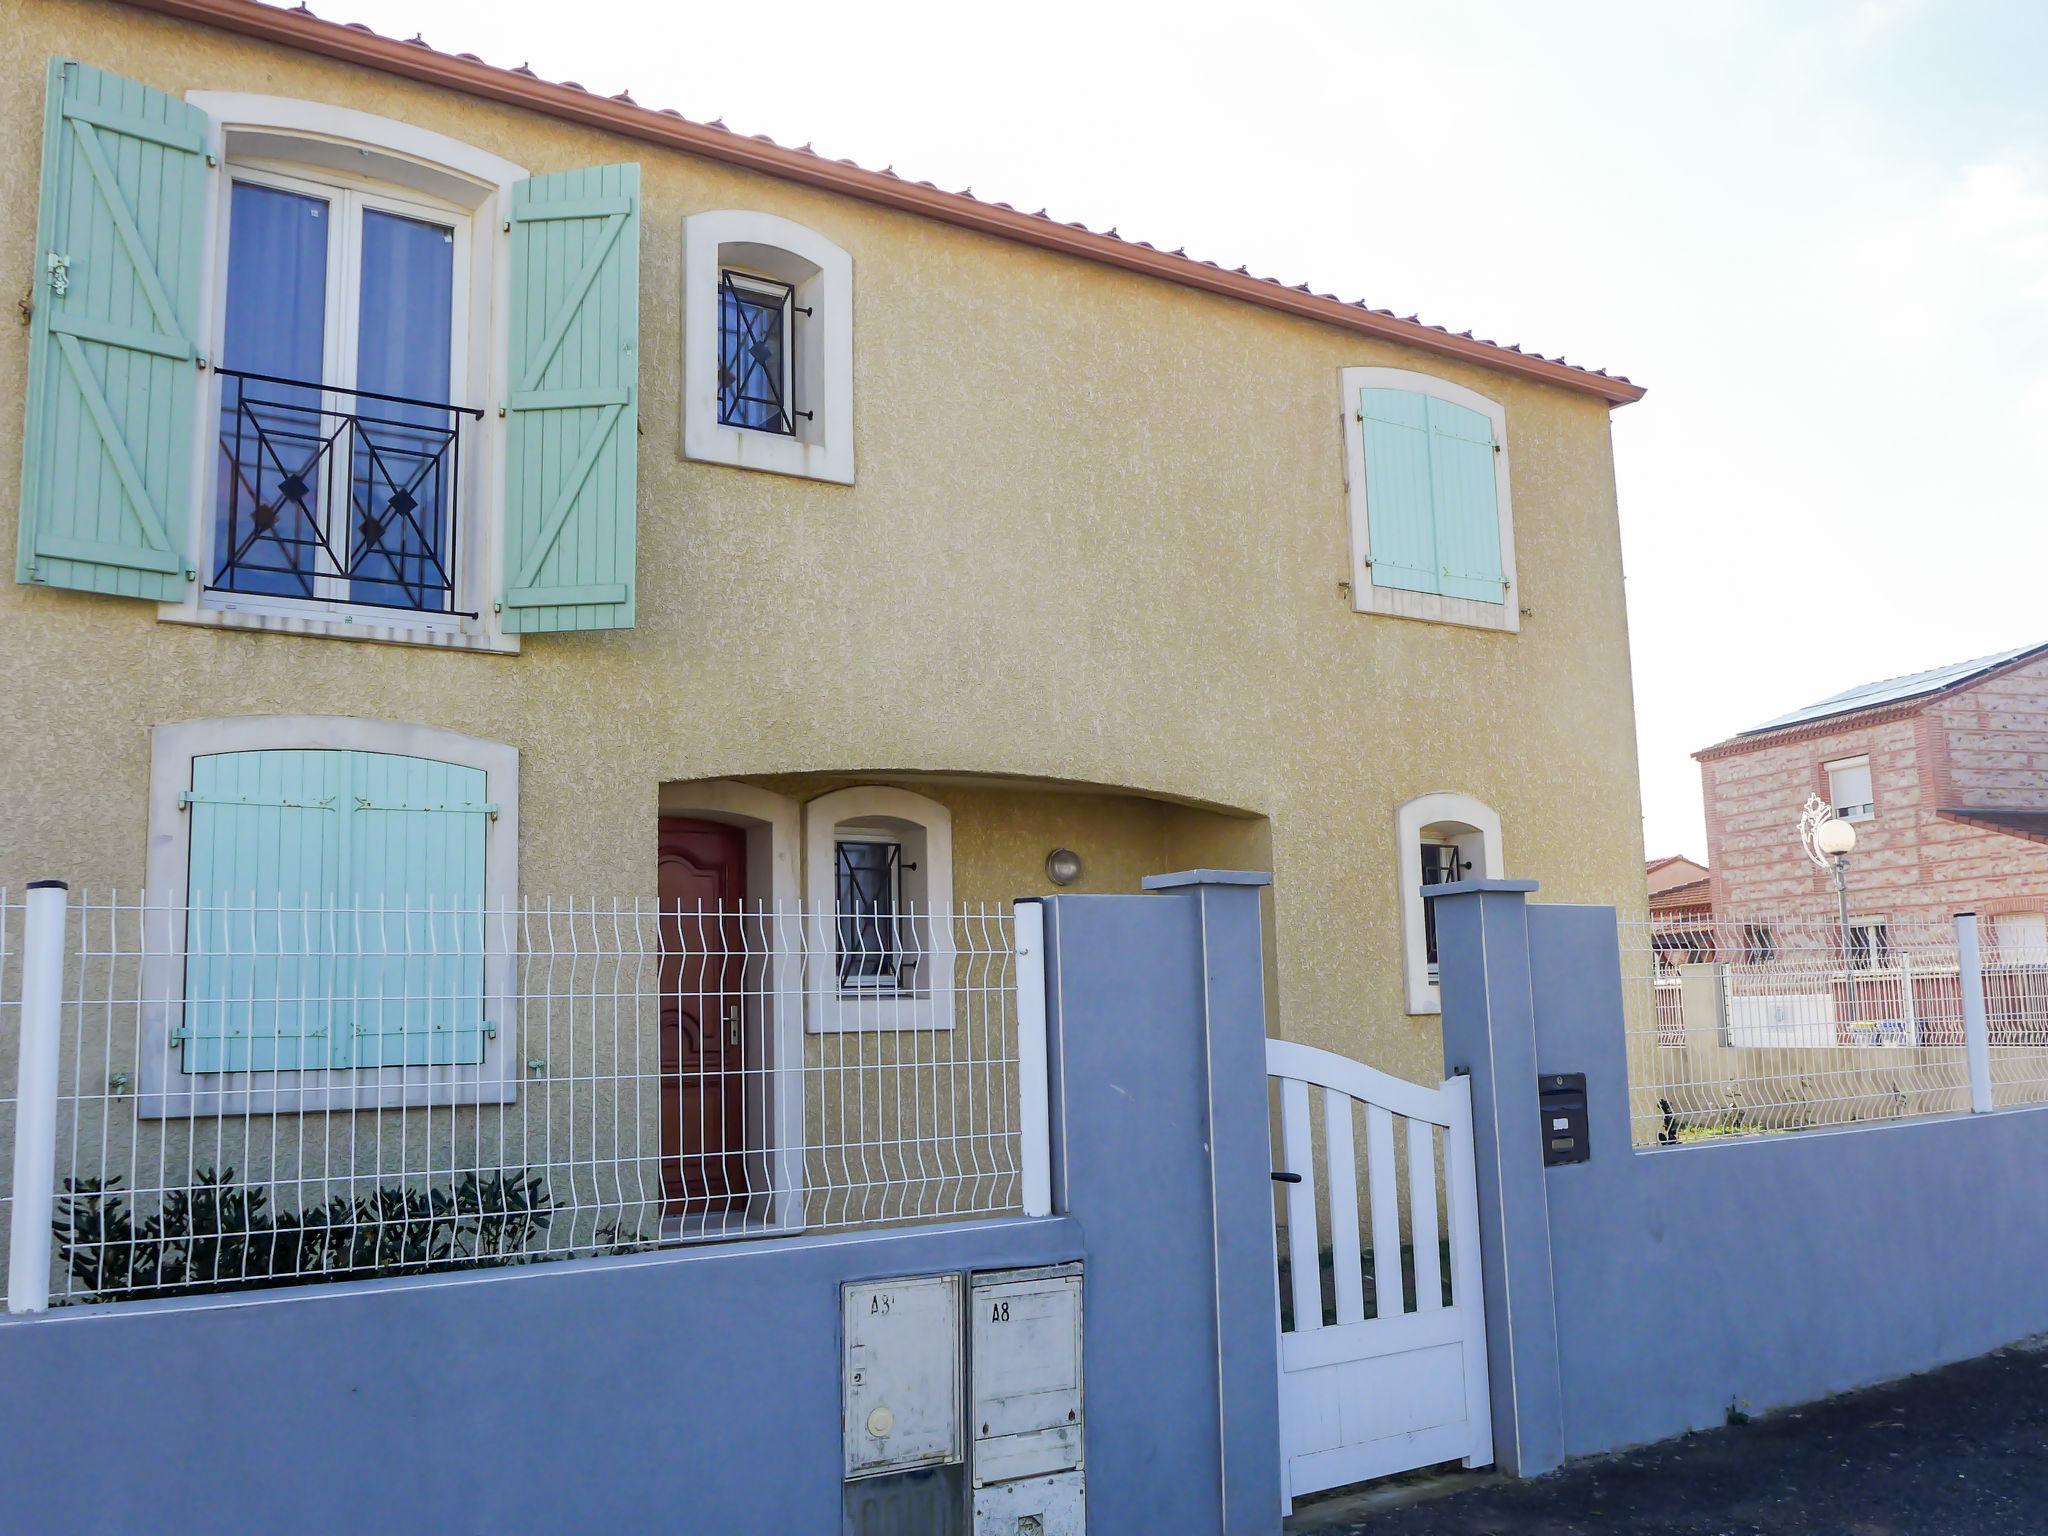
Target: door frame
x,y
773,825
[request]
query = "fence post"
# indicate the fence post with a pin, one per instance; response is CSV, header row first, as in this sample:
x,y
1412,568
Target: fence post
x,y
35,1108
1976,1032
1034,1117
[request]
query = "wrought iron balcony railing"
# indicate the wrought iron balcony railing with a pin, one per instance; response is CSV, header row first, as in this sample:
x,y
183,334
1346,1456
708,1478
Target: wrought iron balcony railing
x,y
356,506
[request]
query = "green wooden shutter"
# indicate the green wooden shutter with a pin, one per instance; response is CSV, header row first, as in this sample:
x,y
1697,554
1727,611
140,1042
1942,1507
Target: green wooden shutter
x,y
107,449
416,851
1399,511
572,447
265,964
1462,465
336,912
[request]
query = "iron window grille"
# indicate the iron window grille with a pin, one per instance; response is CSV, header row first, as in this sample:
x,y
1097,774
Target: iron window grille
x,y
868,903
1870,946
1441,865
355,506
757,353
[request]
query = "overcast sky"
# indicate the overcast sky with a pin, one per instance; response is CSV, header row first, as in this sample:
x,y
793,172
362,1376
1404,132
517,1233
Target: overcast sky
x,y
1818,232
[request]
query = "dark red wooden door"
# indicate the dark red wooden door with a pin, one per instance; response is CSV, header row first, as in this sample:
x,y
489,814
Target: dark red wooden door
x,y
703,1016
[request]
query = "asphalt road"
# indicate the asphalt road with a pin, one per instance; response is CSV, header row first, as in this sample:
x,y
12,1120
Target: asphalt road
x,y
1958,1452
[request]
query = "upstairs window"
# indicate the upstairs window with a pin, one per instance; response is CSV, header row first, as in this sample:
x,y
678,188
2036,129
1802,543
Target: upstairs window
x,y
767,346
756,343
1870,946
1849,789
341,424
1431,523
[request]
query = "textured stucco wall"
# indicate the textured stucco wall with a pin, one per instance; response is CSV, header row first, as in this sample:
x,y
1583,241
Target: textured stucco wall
x,y
1116,512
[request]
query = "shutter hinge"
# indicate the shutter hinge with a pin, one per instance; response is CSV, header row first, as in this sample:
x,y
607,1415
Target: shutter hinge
x,y
180,1035
501,410
199,361
59,268
490,1030
505,228
212,160
191,573
498,606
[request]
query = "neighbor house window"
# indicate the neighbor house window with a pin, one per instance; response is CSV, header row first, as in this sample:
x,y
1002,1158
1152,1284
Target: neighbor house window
x,y
1759,944
1432,526
767,346
868,907
1870,946
1849,789
1439,838
756,343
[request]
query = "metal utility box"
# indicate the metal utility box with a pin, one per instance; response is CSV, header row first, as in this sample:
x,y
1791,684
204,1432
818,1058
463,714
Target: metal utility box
x,y
901,1373
1025,1402
1561,1098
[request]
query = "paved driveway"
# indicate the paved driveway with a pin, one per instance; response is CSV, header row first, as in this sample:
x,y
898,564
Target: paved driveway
x,y
1958,1452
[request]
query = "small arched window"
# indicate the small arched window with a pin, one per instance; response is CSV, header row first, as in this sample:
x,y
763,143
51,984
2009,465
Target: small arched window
x,y
768,346
1439,838
878,883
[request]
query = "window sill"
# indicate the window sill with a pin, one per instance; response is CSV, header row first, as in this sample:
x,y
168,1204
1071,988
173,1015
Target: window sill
x,y
1430,608
277,619
775,453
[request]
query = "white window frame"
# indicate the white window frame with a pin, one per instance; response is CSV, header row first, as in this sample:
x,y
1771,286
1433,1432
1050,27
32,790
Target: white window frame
x,y
743,241
1398,602
924,828
314,147
168,1091
1865,810
1441,816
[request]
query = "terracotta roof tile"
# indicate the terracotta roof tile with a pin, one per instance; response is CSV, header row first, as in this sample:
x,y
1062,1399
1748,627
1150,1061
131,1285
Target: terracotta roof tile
x,y
247,16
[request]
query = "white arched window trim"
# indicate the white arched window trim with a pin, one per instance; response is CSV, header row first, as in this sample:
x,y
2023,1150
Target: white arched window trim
x,y
343,142
927,826
1475,827
165,1092
822,274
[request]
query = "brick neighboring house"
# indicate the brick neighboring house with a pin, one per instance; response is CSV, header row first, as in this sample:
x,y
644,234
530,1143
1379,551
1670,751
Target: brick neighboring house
x,y
1944,773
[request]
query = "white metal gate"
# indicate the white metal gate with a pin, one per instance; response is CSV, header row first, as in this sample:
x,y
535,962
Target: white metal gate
x,y
1387,1375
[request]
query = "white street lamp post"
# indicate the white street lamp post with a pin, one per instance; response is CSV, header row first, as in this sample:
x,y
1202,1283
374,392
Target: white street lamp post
x,y
1829,841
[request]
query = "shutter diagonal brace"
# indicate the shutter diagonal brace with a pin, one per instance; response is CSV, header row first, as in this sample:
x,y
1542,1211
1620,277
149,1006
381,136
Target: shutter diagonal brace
x,y
572,301
131,237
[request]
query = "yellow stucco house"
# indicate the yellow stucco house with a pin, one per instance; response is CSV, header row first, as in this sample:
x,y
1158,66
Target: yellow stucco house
x,y
663,513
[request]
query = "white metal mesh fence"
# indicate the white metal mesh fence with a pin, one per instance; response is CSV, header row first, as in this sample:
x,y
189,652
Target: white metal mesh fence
x,y
260,1093
1784,1024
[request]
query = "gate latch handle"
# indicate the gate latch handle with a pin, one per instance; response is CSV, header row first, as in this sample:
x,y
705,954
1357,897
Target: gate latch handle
x,y
1282,1176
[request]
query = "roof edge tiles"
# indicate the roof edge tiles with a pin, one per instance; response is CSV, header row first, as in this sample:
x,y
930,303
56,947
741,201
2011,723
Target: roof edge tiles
x,y
416,59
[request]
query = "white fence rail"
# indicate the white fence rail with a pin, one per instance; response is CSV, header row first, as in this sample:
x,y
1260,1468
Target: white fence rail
x,y
1781,1024
250,1092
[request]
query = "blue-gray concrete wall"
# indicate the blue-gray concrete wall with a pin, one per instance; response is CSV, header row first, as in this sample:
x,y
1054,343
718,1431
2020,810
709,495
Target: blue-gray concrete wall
x,y
698,1389
1761,1272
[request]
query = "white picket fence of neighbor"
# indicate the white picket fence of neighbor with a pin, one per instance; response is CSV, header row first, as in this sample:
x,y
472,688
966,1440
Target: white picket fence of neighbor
x,y
256,1092
1771,1025
1382,1352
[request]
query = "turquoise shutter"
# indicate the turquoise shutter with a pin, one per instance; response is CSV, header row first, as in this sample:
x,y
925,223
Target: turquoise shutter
x,y
1400,515
335,912
262,949
107,451
1463,464
572,445
416,849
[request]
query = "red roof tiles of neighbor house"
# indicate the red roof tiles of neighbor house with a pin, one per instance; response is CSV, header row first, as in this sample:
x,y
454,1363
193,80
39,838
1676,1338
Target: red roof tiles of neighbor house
x,y
415,58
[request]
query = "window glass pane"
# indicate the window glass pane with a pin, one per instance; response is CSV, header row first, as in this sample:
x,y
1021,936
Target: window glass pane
x,y
752,357
267,512
866,891
1849,788
404,454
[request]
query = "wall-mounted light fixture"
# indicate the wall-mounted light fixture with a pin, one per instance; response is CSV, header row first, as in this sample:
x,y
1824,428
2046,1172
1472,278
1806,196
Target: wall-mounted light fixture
x,y
1063,866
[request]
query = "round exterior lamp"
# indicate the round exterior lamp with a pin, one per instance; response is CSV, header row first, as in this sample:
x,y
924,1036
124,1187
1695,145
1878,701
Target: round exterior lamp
x,y
1835,838
1063,866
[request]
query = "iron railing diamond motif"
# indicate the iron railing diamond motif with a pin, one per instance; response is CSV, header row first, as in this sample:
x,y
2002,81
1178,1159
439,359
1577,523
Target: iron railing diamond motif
x,y
356,506
757,353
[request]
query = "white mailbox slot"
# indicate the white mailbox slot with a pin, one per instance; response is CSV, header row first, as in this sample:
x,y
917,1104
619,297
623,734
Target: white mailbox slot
x,y
1025,1405
901,1373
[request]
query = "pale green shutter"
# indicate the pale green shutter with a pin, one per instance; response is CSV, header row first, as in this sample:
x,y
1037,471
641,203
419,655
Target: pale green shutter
x,y
416,849
1462,468
113,378
572,446
265,955
336,912
1400,517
